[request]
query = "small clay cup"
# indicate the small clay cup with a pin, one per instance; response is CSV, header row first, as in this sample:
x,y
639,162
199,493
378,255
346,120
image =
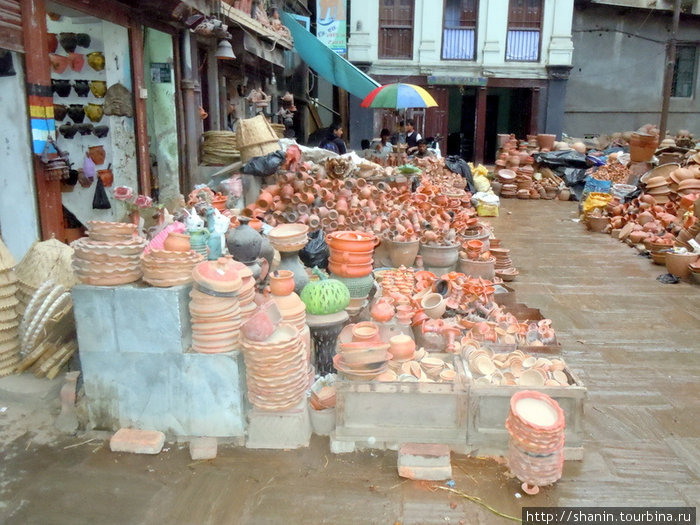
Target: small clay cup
x,y
82,39
94,111
100,131
52,42
98,88
68,131
61,87
77,113
97,154
69,41
82,87
60,111
84,128
106,176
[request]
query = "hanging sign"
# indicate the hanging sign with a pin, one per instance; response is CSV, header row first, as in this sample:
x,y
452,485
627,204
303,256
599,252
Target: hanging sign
x,y
161,72
330,24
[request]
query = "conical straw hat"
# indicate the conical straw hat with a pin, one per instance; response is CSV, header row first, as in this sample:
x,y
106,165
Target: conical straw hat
x,y
47,260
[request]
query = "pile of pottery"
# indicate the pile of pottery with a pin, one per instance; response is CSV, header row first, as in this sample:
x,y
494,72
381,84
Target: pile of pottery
x,y
536,426
164,268
9,319
476,260
421,368
678,261
514,368
504,328
214,306
504,265
351,262
110,255
523,180
276,369
685,180
365,356
509,187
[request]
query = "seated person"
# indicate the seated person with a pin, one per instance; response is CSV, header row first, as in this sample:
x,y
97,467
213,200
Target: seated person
x,y
366,150
384,147
422,150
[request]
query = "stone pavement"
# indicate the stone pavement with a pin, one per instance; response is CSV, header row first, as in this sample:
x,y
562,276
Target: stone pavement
x,y
633,341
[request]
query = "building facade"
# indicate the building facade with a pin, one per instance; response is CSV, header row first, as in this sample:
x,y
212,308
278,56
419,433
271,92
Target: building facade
x,y
616,83
493,66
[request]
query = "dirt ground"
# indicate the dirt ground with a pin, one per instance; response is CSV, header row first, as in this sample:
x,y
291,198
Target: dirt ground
x,y
634,342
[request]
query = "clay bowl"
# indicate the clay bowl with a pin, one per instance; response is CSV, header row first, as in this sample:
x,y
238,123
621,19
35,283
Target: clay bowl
x,y
678,264
365,332
434,305
402,347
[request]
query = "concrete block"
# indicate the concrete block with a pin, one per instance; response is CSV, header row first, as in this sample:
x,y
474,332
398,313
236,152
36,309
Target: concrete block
x,y
340,446
152,320
179,394
203,448
279,430
93,307
424,461
137,441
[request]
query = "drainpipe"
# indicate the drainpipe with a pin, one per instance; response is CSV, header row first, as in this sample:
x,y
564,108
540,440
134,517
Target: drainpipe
x,y
668,72
188,86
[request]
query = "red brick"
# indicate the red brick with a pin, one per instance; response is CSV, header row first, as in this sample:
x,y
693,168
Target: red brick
x,y
137,441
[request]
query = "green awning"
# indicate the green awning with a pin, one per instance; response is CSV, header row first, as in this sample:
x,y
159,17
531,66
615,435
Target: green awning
x,y
326,62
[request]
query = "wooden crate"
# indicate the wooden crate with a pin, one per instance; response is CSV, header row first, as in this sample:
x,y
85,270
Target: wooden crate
x,y
391,413
489,406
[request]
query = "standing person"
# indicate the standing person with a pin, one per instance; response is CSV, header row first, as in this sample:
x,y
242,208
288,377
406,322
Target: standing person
x,y
399,136
412,136
334,140
384,147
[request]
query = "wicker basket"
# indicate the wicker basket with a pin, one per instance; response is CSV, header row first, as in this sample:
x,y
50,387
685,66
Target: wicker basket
x,y
255,138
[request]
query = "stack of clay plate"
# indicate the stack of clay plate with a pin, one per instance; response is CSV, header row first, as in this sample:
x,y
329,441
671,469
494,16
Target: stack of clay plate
x,y
214,307
362,361
688,186
293,310
276,369
246,294
164,268
658,188
9,319
289,237
536,447
509,186
504,265
523,181
679,175
110,256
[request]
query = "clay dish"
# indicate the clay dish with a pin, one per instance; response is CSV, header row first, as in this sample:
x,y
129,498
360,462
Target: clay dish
x,y
560,377
484,366
531,378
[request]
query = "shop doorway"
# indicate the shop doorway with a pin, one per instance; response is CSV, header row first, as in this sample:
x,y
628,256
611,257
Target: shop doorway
x,y
508,110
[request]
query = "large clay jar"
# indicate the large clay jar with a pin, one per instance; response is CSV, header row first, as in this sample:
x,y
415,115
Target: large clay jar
x,y
403,253
642,147
440,256
282,282
678,263
177,242
244,242
546,141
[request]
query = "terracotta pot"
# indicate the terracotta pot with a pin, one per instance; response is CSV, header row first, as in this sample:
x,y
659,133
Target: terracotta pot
x,y
642,147
678,263
383,310
282,282
403,253
402,347
597,224
177,242
434,305
106,176
97,154
365,332
545,141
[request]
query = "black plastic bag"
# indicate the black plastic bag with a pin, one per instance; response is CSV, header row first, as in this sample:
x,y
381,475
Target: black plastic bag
x,y
316,252
100,201
567,158
265,165
574,178
457,164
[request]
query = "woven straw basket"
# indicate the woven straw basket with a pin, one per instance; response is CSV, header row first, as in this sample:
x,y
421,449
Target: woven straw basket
x,y
255,138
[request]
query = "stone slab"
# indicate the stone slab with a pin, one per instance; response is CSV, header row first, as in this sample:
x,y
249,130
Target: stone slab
x,y
424,461
132,318
179,394
279,430
137,441
203,448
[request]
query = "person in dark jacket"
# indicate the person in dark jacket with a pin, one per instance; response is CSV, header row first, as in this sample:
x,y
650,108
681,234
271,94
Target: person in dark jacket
x,y
412,137
334,140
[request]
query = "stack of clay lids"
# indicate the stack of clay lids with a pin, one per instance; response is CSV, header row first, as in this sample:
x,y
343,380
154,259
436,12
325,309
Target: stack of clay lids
x,y
246,293
292,308
214,306
509,186
658,187
46,260
111,254
163,268
276,369
289,237
679,175
9,319
689,186
504,265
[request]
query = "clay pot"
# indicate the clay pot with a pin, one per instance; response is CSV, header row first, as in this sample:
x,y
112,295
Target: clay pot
x,y
52,42
68,131
678,263
439,256
383,310
60,111
434,305
97,154
82,87
59,63
403,253
98,88
69,41
564,195
642,147
177,242
106,176
61,87
282,282
545,141
94,111
77,113
83,39
402,347
100,131
365,332
597,224
96,60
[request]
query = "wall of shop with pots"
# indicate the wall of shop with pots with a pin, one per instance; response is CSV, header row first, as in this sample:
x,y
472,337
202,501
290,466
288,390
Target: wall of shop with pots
x,y
19,223
100,58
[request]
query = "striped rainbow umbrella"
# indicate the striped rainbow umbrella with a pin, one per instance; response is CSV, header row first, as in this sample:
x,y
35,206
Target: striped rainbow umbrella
x,y
398,96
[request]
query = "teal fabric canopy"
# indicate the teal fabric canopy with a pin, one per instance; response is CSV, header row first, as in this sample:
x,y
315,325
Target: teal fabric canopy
x,y
326,62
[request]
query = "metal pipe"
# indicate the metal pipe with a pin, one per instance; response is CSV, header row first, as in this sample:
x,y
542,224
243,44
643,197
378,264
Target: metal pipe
x,y
190,107
668,72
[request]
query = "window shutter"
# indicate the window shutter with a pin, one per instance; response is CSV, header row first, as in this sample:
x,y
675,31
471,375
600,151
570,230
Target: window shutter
x,y
11,26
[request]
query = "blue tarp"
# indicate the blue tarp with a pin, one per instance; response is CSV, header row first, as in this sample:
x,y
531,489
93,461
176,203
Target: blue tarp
x,y
326,62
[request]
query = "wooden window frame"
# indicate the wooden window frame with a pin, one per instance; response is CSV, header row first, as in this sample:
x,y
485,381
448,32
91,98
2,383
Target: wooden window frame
x,y
381,51
526,26
474,27
695,70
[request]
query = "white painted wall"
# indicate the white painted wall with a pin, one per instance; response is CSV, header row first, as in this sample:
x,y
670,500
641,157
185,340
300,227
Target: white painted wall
x,y
120,143
557,47
19,220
